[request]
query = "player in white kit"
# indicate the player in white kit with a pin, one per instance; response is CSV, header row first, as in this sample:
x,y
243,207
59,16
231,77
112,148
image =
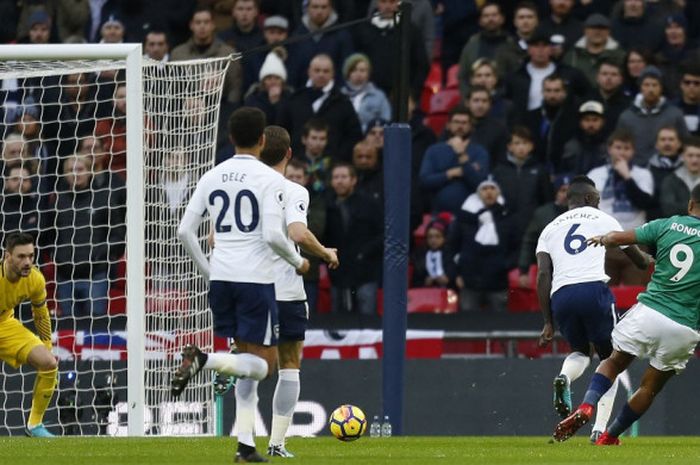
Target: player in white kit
x,y
245,199
573,292
289,290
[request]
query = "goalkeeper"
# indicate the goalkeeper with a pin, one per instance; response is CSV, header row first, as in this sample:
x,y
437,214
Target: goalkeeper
x,y
20,281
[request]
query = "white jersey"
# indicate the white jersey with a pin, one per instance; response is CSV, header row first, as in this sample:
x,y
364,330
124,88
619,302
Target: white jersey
x,y
238,194
564,239
289,286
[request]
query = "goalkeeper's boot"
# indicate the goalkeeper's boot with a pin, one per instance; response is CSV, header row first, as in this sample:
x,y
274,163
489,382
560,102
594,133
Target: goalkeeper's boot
x,y
568,426
606,440
562,396
248,454
39,431
193,361
279,451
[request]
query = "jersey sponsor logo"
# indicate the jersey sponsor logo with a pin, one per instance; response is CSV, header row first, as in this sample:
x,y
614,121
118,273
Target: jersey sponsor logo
x,y
301,207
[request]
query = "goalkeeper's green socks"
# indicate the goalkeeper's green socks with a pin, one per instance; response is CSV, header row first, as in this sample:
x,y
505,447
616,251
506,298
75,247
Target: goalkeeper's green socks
x,y
44,386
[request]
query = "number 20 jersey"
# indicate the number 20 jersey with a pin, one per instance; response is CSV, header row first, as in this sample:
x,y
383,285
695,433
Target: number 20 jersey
x,y
564,239
240,194
674,289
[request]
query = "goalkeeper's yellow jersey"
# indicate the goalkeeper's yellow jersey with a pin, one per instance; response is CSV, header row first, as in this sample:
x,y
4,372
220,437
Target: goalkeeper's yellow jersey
x,y
31,288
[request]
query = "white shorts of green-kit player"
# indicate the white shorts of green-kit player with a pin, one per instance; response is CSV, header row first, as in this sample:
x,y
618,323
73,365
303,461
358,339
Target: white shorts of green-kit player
x,y
646,333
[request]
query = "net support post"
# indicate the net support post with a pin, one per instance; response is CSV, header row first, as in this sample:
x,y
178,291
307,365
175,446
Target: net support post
x,y
397,188
135,266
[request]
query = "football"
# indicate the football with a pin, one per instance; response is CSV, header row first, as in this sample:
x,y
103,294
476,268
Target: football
x,y
348,423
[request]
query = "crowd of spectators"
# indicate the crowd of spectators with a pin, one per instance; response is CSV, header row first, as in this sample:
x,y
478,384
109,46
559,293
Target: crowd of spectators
x,y
543,90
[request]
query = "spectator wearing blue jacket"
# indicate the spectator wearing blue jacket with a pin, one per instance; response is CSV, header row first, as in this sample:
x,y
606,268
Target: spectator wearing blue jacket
x,y
451,170
369,101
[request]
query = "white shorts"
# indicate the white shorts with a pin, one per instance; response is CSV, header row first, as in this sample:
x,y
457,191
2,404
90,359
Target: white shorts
x,y
646,333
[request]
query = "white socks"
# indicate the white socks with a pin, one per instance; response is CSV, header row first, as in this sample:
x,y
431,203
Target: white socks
x,y
604,409
246,406
283,404
574,365
244,365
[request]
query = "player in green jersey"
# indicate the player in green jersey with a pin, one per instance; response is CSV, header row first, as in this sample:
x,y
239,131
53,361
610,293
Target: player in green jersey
x,y
662,326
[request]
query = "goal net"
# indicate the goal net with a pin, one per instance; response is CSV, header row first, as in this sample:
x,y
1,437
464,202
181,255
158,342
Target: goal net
x,y
124,296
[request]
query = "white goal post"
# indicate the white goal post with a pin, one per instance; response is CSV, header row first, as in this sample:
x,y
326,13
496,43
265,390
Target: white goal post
x,y
158,124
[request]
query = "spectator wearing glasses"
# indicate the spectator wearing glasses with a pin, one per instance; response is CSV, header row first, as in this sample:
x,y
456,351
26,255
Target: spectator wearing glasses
x,y
689,100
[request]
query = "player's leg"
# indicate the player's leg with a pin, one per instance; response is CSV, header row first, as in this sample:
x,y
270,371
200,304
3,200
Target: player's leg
x,y
247,402
672,345
652,382
256,334
294,317
286,396
46,367
600,383
19,346
566,313
222,298
600,327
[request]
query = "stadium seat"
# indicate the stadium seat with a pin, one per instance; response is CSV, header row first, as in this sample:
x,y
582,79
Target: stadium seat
x,y
442,102
432,300
452,81
522,299
426,300
323,305
431,86
626,296
438,111
117,301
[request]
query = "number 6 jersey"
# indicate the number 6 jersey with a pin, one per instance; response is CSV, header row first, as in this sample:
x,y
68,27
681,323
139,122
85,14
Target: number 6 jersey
x,y
564,239
674,289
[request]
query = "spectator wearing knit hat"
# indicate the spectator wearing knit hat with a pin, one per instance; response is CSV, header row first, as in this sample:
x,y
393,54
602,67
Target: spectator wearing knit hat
x,y
648,113
482,234
268,93
39,27
369,101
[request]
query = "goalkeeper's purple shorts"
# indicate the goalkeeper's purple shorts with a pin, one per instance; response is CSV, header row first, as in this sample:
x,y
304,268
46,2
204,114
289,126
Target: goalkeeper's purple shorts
x,y
246,312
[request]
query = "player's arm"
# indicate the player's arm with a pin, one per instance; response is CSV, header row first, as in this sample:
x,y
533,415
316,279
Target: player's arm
x,y
302,235
618,238
187,233
544,288
273,215
40,312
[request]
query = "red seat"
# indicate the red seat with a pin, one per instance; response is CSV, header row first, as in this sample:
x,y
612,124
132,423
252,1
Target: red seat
x,y
436,123
452,77
626,296
323,304
523,299
444,101
431,86
432,300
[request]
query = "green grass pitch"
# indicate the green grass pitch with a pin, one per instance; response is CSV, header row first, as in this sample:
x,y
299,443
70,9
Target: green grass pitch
x,y
395,450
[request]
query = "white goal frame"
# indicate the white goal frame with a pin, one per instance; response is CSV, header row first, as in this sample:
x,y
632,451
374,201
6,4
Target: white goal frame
x,y
131,53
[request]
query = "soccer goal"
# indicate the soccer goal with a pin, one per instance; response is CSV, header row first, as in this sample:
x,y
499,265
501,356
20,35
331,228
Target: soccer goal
x,y
105,149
